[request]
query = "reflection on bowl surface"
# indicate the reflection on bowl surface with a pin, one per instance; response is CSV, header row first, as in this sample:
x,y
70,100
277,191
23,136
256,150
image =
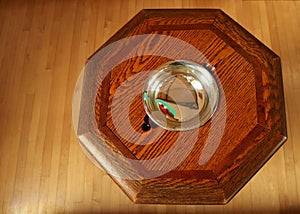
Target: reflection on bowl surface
x,y
181,95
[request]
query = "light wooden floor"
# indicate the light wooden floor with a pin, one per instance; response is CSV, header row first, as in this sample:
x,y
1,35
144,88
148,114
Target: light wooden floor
x,y
43,47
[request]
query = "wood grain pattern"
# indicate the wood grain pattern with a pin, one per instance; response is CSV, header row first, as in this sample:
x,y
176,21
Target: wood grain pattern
x,y
253,109
43,47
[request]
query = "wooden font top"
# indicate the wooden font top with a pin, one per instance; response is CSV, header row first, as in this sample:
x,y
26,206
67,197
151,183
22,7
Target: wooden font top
x,y
210,164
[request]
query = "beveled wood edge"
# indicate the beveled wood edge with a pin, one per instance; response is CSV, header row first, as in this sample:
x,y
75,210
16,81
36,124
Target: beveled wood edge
x,y
141,199
146,13
275,60
215,195
261,52
280,88
218,11
248,39
117,142
101,122
129,187
270,58
280,144
132,188
230,194
221,186
257,69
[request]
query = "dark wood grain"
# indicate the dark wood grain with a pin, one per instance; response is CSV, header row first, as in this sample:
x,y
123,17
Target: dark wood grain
x,y
250,75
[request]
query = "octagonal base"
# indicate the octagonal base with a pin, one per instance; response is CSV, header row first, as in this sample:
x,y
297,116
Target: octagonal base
x,y
206,165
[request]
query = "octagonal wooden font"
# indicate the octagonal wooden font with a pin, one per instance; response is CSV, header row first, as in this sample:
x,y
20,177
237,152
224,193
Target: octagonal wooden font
x,y
207,165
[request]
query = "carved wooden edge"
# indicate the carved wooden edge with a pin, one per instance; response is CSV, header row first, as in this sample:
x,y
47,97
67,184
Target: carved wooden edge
x,y
140,191
162,191
242,41
249,156
273,81
270,59
129,187
266,62
228,180
233,33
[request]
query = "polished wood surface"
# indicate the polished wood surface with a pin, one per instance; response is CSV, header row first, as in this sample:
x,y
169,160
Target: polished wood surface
x,y
212,162
43,48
